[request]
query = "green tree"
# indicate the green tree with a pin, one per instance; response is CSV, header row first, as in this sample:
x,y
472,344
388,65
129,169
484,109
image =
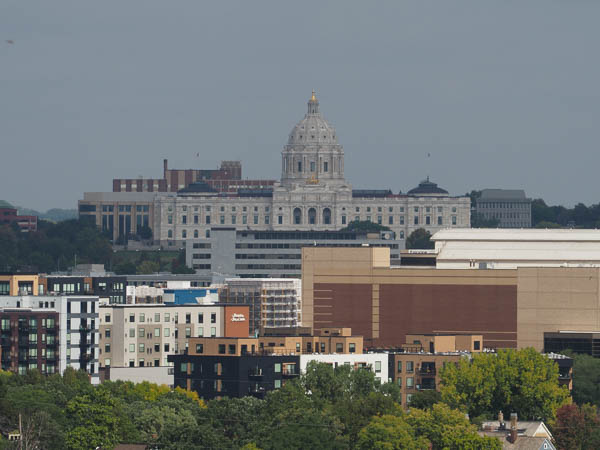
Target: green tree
x,y
420,239
577,427
586,379
144,232
125,268
93,421
509,380
425,399
448,429
365,226
146,267
390,432
167,427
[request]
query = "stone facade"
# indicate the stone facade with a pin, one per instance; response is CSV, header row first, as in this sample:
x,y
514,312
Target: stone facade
x,y
313,194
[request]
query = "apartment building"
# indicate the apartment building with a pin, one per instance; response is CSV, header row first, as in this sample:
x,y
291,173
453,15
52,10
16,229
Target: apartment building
x,y
141,335
19,284
236,367
53,332
273,302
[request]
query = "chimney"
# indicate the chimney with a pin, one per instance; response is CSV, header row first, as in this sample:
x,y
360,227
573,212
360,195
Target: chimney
x,y
165,167
513,428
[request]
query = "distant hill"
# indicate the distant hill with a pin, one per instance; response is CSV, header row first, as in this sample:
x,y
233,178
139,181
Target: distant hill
x,y
53,215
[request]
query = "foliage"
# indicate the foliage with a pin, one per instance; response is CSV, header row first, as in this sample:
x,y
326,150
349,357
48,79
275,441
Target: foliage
x,y
425,399
365,226
147,267
390,432
510,380
577,427
178,265
419,239
448,428
53,246
586,379
144,232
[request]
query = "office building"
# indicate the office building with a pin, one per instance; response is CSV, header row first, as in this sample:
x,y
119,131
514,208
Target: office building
x,y
272,254
8,215
509,207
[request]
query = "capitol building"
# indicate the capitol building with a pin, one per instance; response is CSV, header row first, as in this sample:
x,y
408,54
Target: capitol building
x,y
312,194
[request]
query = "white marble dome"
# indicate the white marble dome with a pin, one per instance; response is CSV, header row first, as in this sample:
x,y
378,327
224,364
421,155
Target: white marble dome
x,y
313,129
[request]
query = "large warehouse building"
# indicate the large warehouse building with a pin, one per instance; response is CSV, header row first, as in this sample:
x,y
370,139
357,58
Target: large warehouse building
x,y
511,308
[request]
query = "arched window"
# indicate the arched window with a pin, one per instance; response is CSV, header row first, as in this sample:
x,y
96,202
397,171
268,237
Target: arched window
x,y
170,234
207,234
327,216
195,234
184,234
297,216
312,216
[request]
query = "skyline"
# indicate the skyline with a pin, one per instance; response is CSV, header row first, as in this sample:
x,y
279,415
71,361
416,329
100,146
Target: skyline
x,y
502,95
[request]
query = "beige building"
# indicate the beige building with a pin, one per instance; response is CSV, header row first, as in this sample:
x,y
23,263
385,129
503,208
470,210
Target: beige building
x,y
510,308
144,335
20,284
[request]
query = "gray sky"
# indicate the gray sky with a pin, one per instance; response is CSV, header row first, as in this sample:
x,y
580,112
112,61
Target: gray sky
x,y
501,94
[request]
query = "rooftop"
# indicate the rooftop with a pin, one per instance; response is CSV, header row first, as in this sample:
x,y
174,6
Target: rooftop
x,y
503,194
507,234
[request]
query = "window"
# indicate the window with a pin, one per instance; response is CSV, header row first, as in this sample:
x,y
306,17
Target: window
x,y
277,368
184,220
166,346
408,398
221,349
326,166
427,220
157,332
213,331
453,220
476,345
141,333
255,220
132,348
391,220
142,348
298,349
183,367
277,384
188,332
167,317
167,332
344,220
377,366
200,331
401,220
170,220
142,317
410,382
131,318
231,349
399,366
183,234
280,220
221,220
107,333
157,317
213,317
188,318
107,318
339,347
207,220
352,347
410,366
399,381
440,220
106,348
322,347
132,332
312,166
199,348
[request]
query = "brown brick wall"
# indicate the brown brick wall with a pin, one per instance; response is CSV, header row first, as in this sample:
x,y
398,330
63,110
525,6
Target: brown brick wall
x,y
489,310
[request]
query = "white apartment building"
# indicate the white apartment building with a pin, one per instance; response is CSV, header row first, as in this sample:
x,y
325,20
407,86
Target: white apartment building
x,y
377,362
78,335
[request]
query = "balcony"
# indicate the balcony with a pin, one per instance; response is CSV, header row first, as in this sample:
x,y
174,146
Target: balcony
x,y
291,372
427,371
257,391
255,372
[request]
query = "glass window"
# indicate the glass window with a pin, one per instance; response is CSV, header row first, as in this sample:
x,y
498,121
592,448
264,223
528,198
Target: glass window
x,y
213,332
142,317
199,348
410,382
142,348
277,368
132,348
410,366
277,384
377,366
132,332
157,317
339,347
221,349
399,381
157,332
167,317
399,366
188,332
167,332
231,349
141,332
352,347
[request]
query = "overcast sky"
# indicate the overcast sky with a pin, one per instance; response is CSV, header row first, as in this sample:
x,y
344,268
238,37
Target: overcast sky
x,y
500,94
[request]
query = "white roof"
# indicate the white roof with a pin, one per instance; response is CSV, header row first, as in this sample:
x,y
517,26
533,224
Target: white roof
x,y
524,234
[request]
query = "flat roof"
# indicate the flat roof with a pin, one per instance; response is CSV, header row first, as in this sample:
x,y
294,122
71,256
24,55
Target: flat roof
x,y
525,234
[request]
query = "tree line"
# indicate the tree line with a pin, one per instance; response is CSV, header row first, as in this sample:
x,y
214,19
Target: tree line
x,y
327,408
